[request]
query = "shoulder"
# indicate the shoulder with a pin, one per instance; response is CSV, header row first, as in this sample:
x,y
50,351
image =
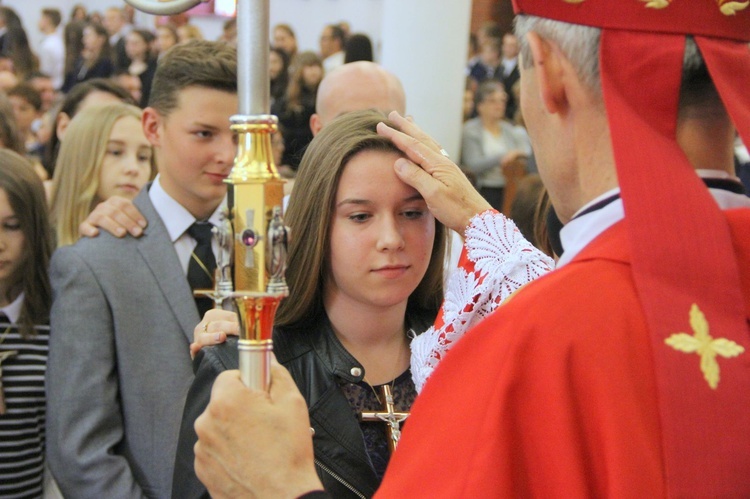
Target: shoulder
x,y
218,358
473,126
293,342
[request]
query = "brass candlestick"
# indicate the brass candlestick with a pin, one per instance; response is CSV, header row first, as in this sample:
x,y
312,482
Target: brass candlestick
x,y
260,246
254,227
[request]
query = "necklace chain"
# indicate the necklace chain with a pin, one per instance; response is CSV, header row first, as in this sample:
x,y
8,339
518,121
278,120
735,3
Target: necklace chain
x,y
393,381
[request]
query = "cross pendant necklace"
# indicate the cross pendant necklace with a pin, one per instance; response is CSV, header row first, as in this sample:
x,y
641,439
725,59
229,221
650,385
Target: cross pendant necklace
x,y
3,356
389,416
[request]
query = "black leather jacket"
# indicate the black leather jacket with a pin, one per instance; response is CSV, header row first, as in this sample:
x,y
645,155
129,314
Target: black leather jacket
x,y
319,364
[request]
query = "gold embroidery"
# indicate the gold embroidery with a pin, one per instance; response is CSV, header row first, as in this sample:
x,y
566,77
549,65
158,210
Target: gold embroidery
x,y
574,1
657,4
731,7
704,345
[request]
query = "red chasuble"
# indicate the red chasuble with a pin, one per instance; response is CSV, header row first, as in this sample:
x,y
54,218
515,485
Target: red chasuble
x,y
554,395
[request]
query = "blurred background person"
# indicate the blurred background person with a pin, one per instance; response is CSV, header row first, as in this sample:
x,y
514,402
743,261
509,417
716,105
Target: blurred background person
x,y
131,83
52,48
188,32
73,39
229,32
510,74
297,106
117,29
285,39
79,13
27,108
166,38
358,48
278,69
89,93
332,47
95,60
142,63
14,44
492,148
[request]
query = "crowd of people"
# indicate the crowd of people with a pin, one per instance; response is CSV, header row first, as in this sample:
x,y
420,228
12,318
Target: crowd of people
x,y
116,382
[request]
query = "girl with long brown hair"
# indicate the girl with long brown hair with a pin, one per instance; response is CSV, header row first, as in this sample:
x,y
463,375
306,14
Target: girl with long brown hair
x,y
25,298
365,276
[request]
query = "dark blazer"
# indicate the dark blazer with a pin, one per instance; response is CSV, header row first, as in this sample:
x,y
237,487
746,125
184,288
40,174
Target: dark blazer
x,y
119,366
508,81
103,68
120,58
319,364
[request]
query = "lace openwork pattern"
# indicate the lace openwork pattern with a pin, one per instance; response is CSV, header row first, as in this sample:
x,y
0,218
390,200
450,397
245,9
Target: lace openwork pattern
x,y
495,262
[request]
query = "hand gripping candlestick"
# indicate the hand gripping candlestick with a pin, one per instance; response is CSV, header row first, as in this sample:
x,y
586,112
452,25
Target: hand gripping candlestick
x,y
258,234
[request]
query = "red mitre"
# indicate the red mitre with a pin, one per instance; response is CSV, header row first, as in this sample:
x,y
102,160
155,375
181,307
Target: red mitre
x,y
684,265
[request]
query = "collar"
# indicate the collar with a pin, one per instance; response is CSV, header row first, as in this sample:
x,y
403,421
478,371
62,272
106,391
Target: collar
x,y
13,310
177,219
589,222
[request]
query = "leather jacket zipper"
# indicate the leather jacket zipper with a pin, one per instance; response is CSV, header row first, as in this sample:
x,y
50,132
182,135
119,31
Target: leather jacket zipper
x,y
339,479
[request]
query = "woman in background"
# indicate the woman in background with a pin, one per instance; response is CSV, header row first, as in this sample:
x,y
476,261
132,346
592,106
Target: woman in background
x,y
104,154
278,69
25,298
95,60
142,63
298,105
491,144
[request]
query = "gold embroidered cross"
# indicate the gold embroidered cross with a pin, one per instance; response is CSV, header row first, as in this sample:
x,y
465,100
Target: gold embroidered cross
x,y
704,345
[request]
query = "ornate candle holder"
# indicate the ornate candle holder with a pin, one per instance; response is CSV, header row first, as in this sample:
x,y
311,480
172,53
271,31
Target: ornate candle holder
x,y
255,198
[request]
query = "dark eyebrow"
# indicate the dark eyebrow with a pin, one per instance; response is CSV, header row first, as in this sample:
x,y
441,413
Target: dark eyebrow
x,y
354,201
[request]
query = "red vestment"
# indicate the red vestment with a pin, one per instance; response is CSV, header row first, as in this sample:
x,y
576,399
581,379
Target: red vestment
x,y
554,394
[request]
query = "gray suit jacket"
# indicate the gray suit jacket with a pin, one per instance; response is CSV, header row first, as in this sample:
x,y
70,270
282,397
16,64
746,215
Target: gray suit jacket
x,y
119,365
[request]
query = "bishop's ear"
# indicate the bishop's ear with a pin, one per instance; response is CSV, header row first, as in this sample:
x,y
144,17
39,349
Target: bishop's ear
x,y
549,68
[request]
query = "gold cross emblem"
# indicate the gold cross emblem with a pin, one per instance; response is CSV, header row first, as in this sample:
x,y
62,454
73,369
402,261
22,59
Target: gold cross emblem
x,y
705,346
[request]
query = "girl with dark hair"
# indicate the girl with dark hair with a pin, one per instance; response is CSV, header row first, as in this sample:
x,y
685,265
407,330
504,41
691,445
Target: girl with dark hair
x,y
358,48
14,44
94,61
25,299
278,68
142,62
298,105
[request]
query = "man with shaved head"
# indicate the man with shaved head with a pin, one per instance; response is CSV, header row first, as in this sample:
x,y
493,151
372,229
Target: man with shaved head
x,y
356,86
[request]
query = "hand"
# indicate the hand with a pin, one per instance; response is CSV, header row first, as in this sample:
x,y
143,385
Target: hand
x,y
449,195
116,215
255,444
213,329
511,157
514,164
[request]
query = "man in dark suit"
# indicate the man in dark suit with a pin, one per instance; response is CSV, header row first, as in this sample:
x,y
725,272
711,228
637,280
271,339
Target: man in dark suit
x,y
114,22
509,73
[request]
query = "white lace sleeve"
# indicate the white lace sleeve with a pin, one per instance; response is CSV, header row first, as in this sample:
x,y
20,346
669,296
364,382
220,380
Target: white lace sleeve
x,y
495,262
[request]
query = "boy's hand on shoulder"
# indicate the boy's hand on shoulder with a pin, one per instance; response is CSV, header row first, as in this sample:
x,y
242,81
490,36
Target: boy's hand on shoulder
x,y
117,215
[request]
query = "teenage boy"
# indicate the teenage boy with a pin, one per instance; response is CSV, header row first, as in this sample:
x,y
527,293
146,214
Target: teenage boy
x,y
123,312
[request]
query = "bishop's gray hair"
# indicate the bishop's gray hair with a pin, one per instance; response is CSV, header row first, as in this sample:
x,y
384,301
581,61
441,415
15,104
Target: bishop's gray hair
x,y
580,44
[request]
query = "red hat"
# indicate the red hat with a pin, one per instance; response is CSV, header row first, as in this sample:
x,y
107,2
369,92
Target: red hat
x,y
684,264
